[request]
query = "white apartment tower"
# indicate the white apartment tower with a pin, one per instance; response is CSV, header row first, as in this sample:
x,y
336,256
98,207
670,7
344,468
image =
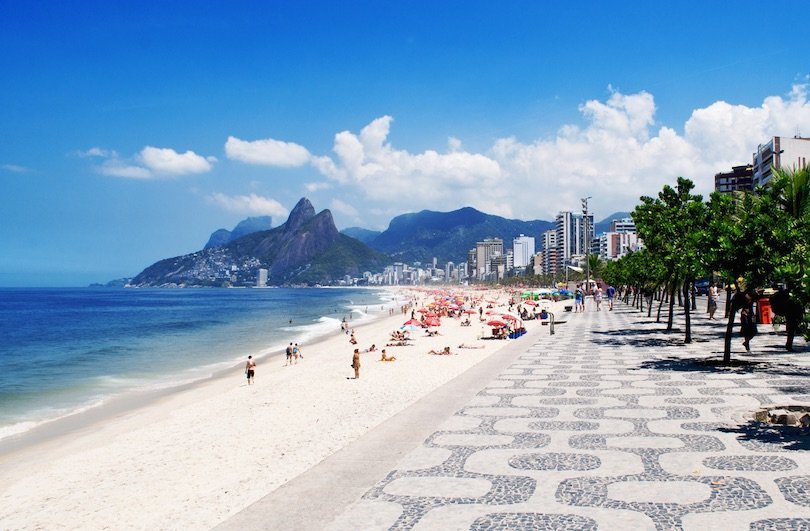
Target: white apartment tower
x,y
484,252
523,250
779,152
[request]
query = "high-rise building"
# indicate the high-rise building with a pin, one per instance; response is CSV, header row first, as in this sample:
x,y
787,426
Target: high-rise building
x,y
739,178
484,251
261,278
523,250
623,225
574,234
779,152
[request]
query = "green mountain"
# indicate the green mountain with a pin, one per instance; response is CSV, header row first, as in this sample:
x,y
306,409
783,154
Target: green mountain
x,y
358,233
449,235
306,249
246,226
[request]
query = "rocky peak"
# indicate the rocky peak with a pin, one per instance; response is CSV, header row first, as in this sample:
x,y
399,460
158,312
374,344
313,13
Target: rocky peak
x,y
300,215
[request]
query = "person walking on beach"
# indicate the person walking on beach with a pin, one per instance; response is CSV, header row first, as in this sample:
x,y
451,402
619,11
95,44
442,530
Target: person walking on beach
x,y
356,363
289,352
597,297
250,369
297,351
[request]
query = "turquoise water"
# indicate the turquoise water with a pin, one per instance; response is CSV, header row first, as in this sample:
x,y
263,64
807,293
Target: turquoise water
x,y
64,350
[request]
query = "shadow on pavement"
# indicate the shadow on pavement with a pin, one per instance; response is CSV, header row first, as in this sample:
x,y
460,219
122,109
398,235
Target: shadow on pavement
x,y
776,437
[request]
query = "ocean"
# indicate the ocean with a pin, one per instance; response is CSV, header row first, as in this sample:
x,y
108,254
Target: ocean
x,y
63,351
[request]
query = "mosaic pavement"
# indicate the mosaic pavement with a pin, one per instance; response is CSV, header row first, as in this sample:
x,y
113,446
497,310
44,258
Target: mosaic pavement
x,y
612,424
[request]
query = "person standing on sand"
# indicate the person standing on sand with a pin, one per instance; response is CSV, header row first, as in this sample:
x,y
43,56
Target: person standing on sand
x,y
356,363
298,352
250,369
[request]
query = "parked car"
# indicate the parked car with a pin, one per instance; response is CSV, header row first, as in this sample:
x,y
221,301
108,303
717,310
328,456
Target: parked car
x,y
702,286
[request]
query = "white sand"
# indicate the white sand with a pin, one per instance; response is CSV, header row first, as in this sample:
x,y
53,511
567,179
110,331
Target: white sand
x,y
198,456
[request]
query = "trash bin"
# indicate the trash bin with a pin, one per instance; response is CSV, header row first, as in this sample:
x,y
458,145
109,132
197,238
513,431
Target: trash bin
x,y
764,311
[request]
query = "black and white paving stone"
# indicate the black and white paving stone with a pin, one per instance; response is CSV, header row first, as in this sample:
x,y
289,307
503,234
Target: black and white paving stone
x,y
612,423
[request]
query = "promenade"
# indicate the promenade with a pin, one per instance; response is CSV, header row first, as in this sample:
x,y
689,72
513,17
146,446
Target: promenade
x,y
611,423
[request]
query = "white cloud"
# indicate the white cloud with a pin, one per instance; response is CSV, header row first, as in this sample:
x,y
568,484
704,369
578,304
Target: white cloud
x,y
267,152
168,161
150,163
97,152
249,204
117,168
315,187
616,154
344,208
16,168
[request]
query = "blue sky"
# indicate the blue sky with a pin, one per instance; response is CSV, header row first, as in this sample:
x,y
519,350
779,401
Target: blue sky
x,y
132,130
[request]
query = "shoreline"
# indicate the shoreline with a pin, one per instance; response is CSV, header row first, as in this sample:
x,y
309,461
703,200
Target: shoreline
x,y
198,456
99,409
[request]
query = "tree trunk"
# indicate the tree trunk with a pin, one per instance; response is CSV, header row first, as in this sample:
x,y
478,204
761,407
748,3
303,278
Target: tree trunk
x,y
687,312
730,312
649,306
660,305
672,291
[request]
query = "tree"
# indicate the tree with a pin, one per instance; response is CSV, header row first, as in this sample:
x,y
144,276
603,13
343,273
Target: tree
x,y
671,227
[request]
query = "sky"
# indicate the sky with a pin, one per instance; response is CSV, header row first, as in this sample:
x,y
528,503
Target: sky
x,y
130,131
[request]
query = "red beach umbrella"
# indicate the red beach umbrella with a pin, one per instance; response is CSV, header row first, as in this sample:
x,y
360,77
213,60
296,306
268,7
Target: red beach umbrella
x,y
509,317
422,310
495,322
433,322
470,311
412,322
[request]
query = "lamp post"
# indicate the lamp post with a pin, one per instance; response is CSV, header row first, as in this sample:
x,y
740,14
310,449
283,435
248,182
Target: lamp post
x,y
587,244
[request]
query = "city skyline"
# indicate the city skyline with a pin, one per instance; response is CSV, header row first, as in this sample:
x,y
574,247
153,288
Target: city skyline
x,y
131,132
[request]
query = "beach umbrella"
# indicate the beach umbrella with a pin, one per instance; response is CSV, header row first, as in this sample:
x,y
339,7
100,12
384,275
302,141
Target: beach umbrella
x,y
509,317
422,310
495,322
433,322
430,314
530,303
470,311
412,322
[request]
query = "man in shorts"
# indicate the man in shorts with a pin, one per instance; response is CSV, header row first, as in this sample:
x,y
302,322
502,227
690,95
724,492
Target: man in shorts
x,y
611,294
289,354
250,369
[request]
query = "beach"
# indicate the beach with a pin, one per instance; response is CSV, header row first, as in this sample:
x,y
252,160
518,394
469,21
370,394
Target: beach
x,y
194,457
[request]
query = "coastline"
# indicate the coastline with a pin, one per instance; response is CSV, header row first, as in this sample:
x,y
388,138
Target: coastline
x,y
195,456
42,425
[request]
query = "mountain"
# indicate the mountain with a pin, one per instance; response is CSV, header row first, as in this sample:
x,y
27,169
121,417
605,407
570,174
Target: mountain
x,y
358,233
306,249
246,226
604,225
449,235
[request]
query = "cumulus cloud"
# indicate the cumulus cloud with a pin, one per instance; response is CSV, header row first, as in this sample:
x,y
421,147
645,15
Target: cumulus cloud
x,y
315,187
249,204
150,163
267,152
344,208
617,153
168,161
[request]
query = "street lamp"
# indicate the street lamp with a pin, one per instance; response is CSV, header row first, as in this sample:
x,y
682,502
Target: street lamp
x,y
587,244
